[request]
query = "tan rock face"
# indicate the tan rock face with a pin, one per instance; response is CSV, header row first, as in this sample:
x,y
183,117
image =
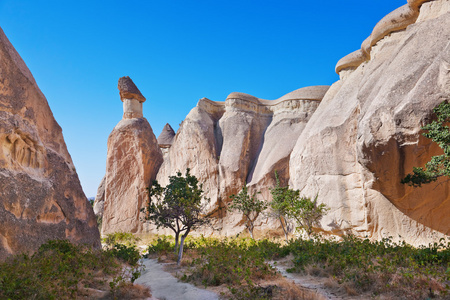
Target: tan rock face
x,y
133,160
40,194
100,198
239,141
195,147
371,139
350,143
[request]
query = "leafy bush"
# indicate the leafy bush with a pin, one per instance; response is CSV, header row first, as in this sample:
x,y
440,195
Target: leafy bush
x,y
249,206
378,267
234,262
126,238
161,246
128,254
58,270
439,165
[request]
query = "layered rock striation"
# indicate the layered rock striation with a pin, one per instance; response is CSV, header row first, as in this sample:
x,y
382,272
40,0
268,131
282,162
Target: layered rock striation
x,y
40,194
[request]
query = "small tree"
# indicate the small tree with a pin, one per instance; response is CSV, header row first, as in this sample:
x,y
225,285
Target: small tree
x,y
249,206
439,165
282,196
179,206
306,212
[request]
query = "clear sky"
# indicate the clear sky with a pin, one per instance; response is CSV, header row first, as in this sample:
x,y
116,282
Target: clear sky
x,y
176,52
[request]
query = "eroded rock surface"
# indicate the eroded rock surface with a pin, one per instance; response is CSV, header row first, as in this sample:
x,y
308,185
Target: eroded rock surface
x,y
133,160
371,137
239,141
350,143
40,194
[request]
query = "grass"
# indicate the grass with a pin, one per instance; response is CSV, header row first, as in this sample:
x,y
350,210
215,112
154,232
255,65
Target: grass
x,y
61,270
356,266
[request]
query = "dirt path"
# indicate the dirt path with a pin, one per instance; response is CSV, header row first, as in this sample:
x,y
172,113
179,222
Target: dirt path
x,y
313,288
166,287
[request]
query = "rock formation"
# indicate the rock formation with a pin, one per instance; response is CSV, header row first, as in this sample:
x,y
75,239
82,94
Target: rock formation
x,y
350,144
99,201
133,159
40,194
165,139
372,138
242,140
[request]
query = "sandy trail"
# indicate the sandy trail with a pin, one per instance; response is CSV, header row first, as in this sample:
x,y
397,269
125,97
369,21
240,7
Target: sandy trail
x,y
166,287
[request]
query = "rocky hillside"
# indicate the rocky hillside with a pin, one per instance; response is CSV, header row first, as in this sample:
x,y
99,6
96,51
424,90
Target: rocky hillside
x,y
40,193
350,143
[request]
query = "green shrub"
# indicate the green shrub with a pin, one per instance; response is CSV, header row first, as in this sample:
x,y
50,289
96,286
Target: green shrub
x,y
235,262
128,254
53,272
126,238
162,245
380,266
58,270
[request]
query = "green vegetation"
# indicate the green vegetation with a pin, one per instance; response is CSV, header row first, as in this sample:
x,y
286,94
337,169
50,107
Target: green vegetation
x,y
237,263
306,212
126,238
288,204
439,165
377,267
61,270
356,266
281,197
249,206
178,206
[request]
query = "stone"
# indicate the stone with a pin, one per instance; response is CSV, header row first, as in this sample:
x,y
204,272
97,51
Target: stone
x,y
415,4
131,97
352,60
165,139
397,20
40,194
372,138
100,199
133,160
128,90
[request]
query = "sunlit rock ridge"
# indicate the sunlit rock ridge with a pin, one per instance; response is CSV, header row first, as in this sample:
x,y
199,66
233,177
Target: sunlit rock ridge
x,y
40,194
350,143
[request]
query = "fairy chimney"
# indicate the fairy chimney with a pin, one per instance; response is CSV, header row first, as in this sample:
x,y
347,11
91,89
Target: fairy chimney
x,y
131,97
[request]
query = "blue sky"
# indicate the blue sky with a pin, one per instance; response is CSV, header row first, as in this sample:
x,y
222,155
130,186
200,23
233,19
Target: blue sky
x,y
176,52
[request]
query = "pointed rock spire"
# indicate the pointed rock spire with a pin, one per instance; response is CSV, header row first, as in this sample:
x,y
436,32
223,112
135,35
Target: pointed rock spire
x,y
165,139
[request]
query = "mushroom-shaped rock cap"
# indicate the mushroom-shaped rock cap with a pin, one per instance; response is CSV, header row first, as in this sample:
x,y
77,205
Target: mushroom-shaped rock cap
x,y
166,136
128,90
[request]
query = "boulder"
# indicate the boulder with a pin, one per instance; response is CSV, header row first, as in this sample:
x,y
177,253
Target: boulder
x,y
40,194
